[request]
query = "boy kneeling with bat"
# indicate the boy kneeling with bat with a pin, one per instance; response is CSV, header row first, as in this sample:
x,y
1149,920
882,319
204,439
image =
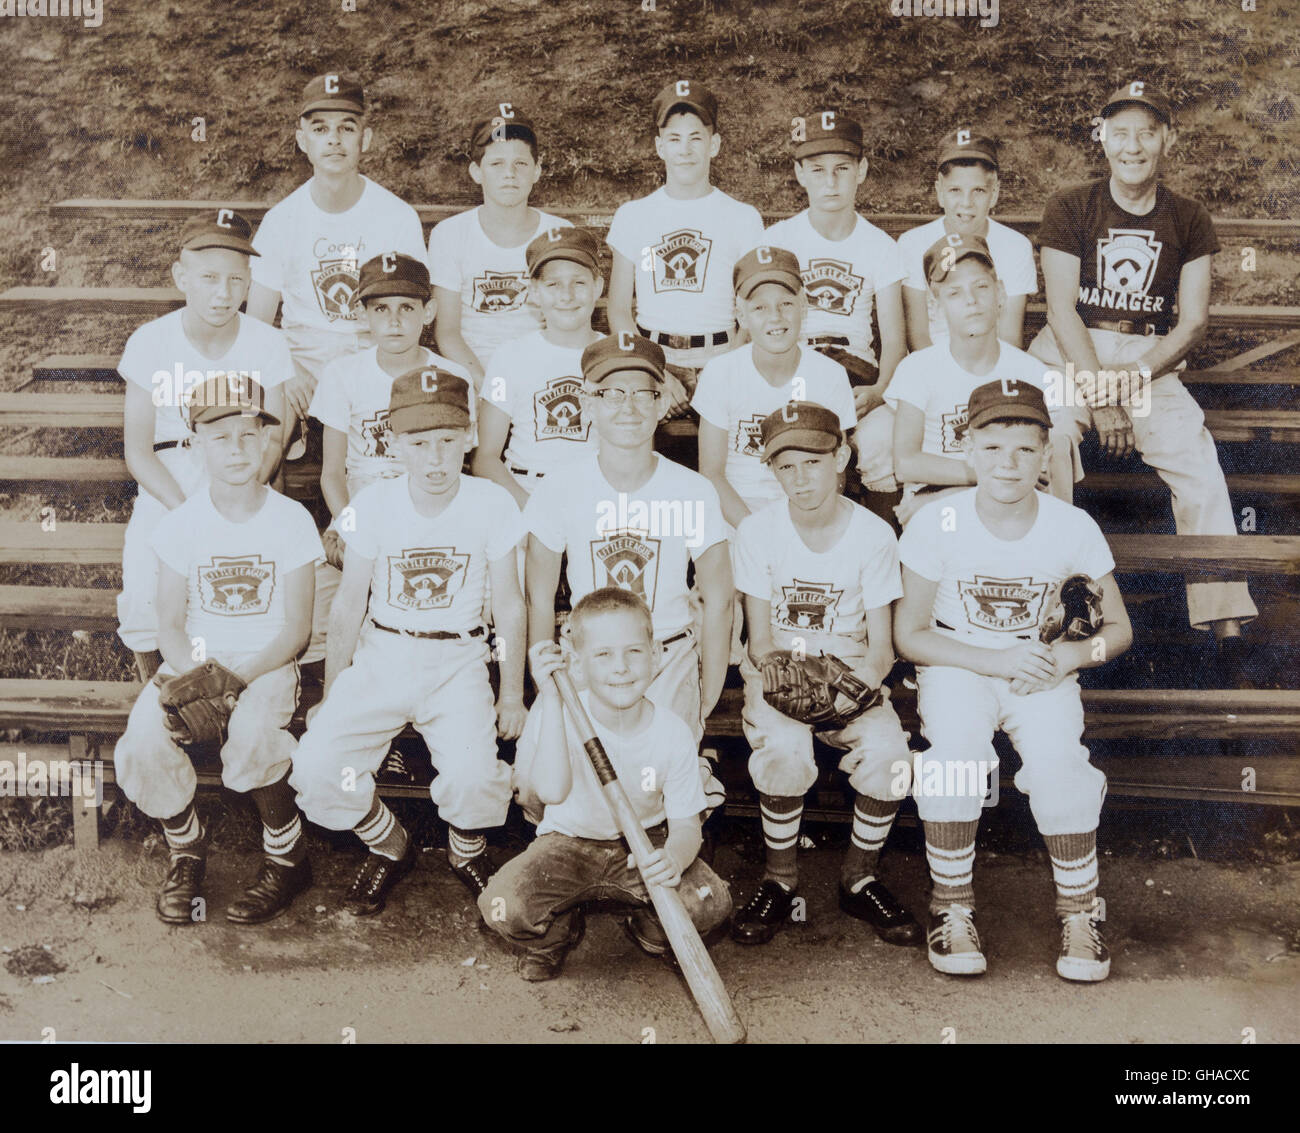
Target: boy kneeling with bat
x,y
535,900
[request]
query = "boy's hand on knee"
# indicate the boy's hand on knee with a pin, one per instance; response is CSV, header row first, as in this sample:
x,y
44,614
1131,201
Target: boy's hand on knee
x,y
1029,662
1023,686
660,869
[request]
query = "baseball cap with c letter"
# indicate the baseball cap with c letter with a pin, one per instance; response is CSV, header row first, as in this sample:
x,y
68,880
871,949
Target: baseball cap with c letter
x,y
1007,399
506,124
1140,93
964,145
948,251
393,273
802,425
766,264
227,394
829,131
333,91
574,244
218,228
623,351
428,398
696,97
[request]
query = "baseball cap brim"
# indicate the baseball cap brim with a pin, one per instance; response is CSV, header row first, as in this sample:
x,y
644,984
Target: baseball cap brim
x,y
345,104
960,254
234,243
1009,411
966,153
805,440
817,146
750,283
385,287
700,111
208,413
601,369
574,255
431,415
1156,108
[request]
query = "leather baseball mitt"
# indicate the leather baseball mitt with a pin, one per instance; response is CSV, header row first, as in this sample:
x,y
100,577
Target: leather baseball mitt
x,y
197,704
860,371
820,691
1072,610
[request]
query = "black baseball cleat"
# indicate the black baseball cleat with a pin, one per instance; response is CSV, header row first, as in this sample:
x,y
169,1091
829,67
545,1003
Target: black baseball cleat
x,y
474,874
876,905
536,967
181,889
757,920
374,881
273,892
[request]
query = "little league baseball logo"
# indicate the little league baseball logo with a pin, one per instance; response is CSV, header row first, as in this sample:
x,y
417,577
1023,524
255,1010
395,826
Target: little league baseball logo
x,y
1127,259
425,578
557,411
808,605
682,260
628,559
336,282
831,286
1005,605
749,437
496,291
952,425
376,436
236,586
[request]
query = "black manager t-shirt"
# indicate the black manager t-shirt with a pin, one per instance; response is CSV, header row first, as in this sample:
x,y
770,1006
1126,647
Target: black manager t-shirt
x,y
1128,265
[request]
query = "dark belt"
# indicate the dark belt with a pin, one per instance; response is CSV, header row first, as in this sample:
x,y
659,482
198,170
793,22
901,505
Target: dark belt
x,y
828,340
686,341
944,625
1131,326
161,445
926,489
524,472
667,641
434,635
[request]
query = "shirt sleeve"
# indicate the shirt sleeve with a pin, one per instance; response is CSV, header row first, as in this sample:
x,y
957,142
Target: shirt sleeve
x,y
506,525
544,515
134,366
1095,558
910,255
881,579
713,528
621,237
168,546
751,232
906,385
753,573
267,267
362,535
887,266
1202,240
304,542
1060,228
411,238
920,548
842,402
444,256
710,397
329,404
1022,275
683,789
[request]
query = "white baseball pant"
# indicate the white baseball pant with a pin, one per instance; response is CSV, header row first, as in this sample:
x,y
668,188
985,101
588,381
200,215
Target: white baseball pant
x,y
158,776
875,758
442,688
960,711
1172,439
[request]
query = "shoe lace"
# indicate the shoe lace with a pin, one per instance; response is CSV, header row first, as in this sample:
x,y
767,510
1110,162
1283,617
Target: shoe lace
x,y
266,880
882,899
184,869
1079,930
956,924
368,878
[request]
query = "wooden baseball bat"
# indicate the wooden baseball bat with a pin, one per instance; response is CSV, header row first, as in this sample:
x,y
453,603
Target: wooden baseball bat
x,y
697,966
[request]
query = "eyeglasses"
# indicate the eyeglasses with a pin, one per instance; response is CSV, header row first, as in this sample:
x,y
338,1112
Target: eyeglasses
x,y
642,398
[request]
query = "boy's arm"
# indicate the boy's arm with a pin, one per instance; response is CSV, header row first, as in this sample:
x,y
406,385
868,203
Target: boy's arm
x,y
911,465
1011,320
916,309
682,845
173,642
622,283
334,469
713,464
493,428
541,580
142,462
347,613
299,594
1114,637
262,303
880,644
916,641
758,626
1193,319
276,405
717,596
893,346
508,618
446,333
543,758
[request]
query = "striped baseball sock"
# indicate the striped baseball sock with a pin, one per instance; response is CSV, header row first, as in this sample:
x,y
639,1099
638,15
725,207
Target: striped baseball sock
x,y
461,847
1074,868
381,831
950,850
872,821
281,823
781,814
184,832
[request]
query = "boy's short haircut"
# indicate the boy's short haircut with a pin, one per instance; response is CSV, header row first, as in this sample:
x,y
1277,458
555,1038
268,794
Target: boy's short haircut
x,y
609,600
497,128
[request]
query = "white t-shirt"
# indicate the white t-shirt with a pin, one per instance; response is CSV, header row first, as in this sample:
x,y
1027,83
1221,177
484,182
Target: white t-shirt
x,y
663,756
160,350
235,572
641,541
817,592
313,258
734,396
683,253
932,380
840,277
352,396
536,385
431,573
492,280
1013,259
992,590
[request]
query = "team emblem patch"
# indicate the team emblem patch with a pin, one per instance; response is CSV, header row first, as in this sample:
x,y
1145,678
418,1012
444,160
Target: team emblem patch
x,y
376,436
336,282
831,286
557,411
1127,259
952,425
236,586
497,291
425,578
749,436
682,260
1004,605
628,559
808,605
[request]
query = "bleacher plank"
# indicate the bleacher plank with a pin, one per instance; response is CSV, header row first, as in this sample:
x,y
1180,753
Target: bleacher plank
x,y
62,410
1220,378
145,302
1236,425
1247,485
66,470
57,607
77,368
1235,555
89,544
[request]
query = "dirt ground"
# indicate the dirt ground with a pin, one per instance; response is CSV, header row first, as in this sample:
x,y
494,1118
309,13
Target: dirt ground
x,y
1201,951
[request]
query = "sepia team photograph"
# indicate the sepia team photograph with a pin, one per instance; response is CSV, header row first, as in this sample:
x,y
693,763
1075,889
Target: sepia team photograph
x,y
649,522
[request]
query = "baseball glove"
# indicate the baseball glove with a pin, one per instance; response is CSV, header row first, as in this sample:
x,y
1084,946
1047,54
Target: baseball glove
x,y
1072,610
821,691
861,372
197,704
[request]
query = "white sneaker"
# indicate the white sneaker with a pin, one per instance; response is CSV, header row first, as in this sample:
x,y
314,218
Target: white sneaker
x,y
953,942
1083,952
